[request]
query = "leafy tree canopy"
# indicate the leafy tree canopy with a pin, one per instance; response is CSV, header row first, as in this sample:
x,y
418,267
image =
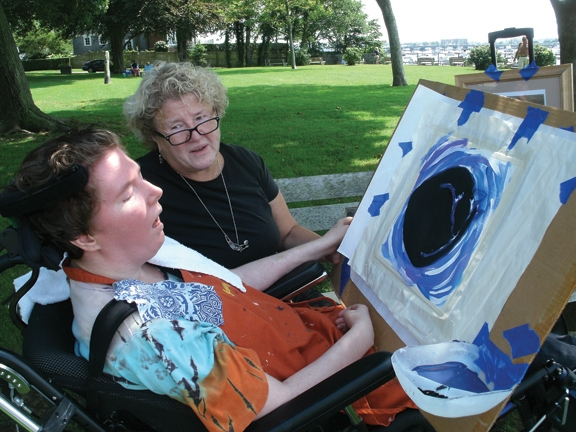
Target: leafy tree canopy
x,y
544,56
482,58
41,43
68,17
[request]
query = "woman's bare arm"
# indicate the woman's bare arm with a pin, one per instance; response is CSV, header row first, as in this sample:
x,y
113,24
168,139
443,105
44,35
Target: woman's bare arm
x,y
264,272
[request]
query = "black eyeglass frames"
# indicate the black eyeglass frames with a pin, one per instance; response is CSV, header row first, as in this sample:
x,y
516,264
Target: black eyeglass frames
x,y
184,135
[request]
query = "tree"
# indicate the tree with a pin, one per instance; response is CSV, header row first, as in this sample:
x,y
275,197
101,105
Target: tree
x,y
42,43
290,17
267,31
186,19
565,11
290,35
16,104
352,56
398,77
121,18
18,109
544,56
345,25
482,58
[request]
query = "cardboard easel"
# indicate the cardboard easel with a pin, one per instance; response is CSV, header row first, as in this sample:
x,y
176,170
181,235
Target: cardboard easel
x,y
542,291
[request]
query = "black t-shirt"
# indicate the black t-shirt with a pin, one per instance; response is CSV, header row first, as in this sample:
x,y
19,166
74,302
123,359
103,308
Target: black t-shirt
x,y
251,188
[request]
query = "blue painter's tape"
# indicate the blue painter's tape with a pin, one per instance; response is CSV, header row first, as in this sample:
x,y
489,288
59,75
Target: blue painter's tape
x,y
566,189
523,340
534,118
529,71
406,147
493,72
496,365
473,102
377,203
569,128
344,275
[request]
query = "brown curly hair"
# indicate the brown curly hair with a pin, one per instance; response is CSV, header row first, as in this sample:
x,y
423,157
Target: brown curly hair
x,y
70,217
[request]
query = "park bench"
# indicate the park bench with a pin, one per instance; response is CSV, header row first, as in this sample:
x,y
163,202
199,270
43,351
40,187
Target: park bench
x,y
456,61
427,61
276,62
309,190
317,60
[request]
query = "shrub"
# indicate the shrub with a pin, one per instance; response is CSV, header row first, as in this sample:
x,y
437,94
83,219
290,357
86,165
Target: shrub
x,y
302,57
39,43
198,55
352,56
544,56
161,46
481,57
42,64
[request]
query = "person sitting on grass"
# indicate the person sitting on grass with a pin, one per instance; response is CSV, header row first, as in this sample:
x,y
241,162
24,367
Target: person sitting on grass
x,y
135,69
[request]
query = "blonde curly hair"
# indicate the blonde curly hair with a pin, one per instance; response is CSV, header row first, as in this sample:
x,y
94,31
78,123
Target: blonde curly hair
x,y
169,81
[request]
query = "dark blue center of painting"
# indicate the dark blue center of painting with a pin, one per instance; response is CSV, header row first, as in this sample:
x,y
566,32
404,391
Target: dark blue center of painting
x,y
437,215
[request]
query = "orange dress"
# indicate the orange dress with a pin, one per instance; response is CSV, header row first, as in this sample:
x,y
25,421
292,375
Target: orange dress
x,y
277,338
288,337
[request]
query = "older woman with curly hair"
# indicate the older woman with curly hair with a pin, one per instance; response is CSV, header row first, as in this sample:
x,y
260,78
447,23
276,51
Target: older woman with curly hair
x,y
219,199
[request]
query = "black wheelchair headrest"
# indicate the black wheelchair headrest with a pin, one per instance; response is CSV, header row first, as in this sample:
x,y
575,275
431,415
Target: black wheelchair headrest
x,y
33,252
18,204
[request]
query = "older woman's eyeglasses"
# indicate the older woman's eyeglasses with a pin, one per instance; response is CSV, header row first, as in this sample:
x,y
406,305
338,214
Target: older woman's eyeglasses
x,y
184,135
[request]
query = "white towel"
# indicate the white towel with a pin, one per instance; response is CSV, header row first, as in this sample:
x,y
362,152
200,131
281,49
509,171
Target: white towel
x,y
52,286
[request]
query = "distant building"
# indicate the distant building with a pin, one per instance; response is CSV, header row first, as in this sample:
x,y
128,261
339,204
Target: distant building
x,y
94,43
454,42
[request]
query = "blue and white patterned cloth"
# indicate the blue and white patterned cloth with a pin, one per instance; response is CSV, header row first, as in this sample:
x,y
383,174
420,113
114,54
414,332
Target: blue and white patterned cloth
x,y
172,300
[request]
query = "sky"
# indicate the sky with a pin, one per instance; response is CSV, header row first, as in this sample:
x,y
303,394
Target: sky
x,y
433,20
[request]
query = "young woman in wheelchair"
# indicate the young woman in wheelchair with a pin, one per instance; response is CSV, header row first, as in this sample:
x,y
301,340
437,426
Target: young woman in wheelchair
x,y
205,336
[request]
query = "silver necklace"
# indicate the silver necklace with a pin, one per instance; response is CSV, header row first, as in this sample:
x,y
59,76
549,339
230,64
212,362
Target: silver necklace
x,y
234,246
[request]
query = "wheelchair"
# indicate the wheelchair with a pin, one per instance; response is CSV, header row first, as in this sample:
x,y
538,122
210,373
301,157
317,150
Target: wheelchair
x,y
72,389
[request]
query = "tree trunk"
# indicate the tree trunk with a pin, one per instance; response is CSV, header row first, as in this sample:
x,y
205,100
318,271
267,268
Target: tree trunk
x,y
565,11
117,49
227,48
305,29
239,31
248,50
291,41
398,77
264,46
182,38
16,104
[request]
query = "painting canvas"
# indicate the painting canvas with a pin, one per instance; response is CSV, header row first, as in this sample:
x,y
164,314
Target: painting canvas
x,y
455,212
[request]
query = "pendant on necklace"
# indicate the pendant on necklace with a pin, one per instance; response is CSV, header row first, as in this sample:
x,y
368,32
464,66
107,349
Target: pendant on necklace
x,y
236,246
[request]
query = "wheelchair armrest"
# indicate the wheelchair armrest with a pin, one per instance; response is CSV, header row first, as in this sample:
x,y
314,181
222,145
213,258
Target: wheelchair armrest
x,y
329,396
298,280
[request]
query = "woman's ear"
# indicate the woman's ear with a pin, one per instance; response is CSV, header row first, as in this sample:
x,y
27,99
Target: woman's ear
x,y
86,242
